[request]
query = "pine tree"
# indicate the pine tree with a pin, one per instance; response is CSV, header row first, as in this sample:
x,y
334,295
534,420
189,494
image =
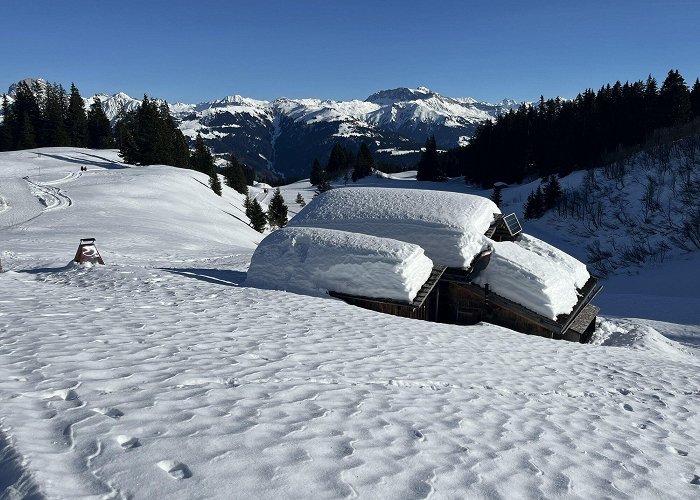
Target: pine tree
x,y
675,99
497,195
551,192
53,127
99,130
277,210
428,166
534,207
27,137
201,158
300,200
76,120
25,119
316,173
695,98
149,136
6,139
181,149
234,176
214,182
324,184
364,163
256,215
339,161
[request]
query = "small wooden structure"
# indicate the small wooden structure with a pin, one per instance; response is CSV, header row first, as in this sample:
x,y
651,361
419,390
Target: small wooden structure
x,y
424,306
87,252
449,296
465,303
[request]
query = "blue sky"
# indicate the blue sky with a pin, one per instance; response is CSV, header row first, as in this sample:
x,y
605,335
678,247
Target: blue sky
x,y
198,50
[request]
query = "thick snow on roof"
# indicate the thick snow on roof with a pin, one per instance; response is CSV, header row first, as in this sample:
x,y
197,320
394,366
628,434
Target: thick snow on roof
x,y
534,275
449,226
574,268
311,260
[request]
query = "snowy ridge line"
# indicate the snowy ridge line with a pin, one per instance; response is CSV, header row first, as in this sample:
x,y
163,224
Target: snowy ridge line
x,y
51,197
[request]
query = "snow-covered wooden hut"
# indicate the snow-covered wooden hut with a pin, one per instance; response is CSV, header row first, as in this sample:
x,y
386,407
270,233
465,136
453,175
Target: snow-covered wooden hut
x,y
384,274
483,267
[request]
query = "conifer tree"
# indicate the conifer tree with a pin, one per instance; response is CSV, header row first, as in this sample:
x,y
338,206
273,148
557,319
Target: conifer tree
x,y
364,163
214,182
300,200
277,210
6,139
428,166
675,99
316,173
695,98
339,161
324,184
497,195
534,207
99,130
234,176
27,137
181,149
201,158
551,192
25,118
53,129
256,215
76,120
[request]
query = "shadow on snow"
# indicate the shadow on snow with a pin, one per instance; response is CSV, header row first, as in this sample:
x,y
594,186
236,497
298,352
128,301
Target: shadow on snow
x,y
216,276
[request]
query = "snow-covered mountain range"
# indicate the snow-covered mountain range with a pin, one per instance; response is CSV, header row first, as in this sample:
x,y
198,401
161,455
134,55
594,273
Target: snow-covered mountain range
x,y
282,137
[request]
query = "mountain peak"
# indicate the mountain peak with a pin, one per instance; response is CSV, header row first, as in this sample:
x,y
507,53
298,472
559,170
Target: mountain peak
x,y
31,82
401,94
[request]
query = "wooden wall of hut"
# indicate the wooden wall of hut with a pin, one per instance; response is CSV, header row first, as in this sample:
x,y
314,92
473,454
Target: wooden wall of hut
x,y
460,305
404,311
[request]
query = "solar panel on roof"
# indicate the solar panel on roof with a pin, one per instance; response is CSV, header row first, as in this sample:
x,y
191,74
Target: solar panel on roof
x,y
513,224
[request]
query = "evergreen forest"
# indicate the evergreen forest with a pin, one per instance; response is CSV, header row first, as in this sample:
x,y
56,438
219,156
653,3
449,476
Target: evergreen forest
x,y
558,136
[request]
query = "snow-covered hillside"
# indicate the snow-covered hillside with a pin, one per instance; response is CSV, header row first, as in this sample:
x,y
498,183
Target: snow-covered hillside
x,y
161,375
284,136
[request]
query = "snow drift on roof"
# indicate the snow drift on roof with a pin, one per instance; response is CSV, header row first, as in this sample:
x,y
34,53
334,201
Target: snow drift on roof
x,y
570,266
311,260
449,226
534,275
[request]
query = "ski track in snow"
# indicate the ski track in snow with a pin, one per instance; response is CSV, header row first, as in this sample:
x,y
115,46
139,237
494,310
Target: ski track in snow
x,y
23,200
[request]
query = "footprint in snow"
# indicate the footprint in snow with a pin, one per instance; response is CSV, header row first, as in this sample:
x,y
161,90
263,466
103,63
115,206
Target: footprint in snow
x,y
677,451
65,395
695,480
178,470
627,407
127,442
110,412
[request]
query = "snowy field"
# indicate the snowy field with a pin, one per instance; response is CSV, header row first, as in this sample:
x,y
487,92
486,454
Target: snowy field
x,y
161,375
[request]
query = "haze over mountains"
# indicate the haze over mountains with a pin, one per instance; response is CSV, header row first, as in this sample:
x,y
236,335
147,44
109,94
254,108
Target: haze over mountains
x,y
282,137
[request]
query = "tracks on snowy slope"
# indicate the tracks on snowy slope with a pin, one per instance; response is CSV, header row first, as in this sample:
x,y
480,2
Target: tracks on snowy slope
x,y
50,196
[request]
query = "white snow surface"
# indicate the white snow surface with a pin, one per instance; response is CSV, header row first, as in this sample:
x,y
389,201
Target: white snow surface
x,y
311,260
540,283
448,226
159,375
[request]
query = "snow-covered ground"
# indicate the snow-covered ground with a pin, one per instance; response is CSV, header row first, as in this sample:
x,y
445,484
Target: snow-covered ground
x,y
161,375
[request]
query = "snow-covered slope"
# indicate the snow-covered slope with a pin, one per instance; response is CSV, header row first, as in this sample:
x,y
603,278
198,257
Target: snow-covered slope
x,y
160,375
